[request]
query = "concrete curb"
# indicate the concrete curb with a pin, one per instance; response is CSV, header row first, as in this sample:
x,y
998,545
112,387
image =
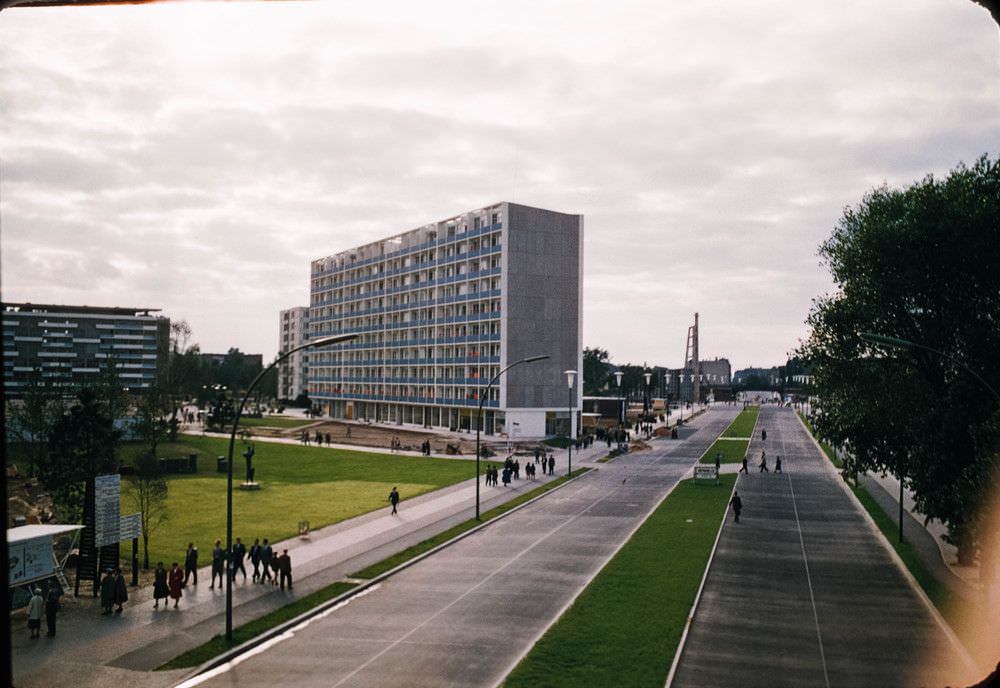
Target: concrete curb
x,y
280,629
880,536
697,597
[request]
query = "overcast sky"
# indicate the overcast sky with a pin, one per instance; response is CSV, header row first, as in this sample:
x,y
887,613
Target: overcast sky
x,y
196,157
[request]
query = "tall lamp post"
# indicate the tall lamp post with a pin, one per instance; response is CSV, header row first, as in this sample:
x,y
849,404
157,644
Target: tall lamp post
x,y
325,341
907,345
570,377
648,402
621,406
479,414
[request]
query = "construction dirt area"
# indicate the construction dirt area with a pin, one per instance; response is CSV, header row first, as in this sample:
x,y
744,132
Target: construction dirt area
x,y
382,434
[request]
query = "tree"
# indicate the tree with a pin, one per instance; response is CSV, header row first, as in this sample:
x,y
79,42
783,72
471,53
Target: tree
x,y
147,491
149,423
595,371
31,419
921,264
81,445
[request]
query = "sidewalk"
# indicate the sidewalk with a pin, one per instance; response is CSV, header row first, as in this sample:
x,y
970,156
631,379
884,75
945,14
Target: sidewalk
x,y
91,650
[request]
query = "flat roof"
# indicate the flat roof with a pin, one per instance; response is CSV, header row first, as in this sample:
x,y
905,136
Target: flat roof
x,y
56,308
35,530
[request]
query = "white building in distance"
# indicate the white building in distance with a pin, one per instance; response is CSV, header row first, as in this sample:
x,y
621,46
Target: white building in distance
x,y
293,331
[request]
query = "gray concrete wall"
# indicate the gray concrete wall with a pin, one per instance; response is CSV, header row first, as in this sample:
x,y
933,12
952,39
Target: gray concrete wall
x,y
543,304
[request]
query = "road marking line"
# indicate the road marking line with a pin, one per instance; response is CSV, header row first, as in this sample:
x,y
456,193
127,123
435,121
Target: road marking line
x,y
812,597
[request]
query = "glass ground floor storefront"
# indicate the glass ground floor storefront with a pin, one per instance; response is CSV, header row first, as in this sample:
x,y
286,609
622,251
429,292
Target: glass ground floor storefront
x,y
512,423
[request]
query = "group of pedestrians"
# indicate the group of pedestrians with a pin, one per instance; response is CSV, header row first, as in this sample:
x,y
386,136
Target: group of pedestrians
x,y
319,438
114,592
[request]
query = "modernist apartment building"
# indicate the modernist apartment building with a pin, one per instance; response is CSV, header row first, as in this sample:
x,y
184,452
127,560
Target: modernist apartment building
x,y
68,346
293,331
441,309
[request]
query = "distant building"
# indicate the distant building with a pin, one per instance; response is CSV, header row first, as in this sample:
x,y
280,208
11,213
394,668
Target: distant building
x,y
770,377
441,309
293,331
716,381
68,346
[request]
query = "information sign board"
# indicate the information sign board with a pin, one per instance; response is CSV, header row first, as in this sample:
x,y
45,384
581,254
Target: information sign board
x,y
131,527
107,509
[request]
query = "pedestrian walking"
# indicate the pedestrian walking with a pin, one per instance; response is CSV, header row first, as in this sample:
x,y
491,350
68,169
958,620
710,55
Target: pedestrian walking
x,y
394,499
285,569
161,591
191,563
255,558
777,464
218,559
763,463
329,441
743,468
737,505
763,435
107,592
36,606
51,609
175,581
121,591
275,566
552,464
718,463
266,553
239,554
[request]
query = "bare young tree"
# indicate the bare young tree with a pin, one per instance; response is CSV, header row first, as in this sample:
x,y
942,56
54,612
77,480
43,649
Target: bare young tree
x,y
147,491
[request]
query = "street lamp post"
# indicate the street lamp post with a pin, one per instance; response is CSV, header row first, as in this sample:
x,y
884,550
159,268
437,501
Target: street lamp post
x,y
621,406
325,341
570,377
648,402
479,414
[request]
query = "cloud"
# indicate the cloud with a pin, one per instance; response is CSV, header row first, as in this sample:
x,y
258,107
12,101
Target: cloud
x,y
196,157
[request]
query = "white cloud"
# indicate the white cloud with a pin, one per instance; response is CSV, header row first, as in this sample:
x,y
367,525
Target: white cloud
x,y
196,157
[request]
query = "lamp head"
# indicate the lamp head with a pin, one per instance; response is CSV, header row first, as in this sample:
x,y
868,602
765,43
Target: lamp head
x,y
894,342
532,359
647,376
618,377
570,378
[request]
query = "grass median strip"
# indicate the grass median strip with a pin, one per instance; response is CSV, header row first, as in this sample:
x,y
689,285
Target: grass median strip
x,y
429,544
624,627
217,645
731,451
744,423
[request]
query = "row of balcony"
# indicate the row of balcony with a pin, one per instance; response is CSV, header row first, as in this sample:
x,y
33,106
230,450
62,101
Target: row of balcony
x,y
436,282
439,361
437,401
449,320
433,243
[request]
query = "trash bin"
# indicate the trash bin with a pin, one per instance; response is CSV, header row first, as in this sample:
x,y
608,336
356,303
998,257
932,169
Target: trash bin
x,y
193,463
221,464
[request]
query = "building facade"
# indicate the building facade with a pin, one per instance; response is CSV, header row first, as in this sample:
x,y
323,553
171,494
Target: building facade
x,y
293,331
715,381
68,346
441,309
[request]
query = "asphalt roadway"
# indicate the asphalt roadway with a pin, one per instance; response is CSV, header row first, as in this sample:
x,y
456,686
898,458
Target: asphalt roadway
x,y
802,592
467,615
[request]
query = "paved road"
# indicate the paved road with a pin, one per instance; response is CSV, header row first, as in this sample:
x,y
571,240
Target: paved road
x,y
465,616
802,592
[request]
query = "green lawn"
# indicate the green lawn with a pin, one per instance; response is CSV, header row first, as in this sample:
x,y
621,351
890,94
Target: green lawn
x,y
624,627
744,423
315,484
732,451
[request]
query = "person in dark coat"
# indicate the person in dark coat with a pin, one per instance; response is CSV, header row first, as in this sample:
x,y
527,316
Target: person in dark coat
x,y
763,435
121,591
218,561
175,581
191,563
239,554
266,553
737,505
285,569
107,592
160,589
51,609
777,464
394,498
255,558
743,469
552,464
